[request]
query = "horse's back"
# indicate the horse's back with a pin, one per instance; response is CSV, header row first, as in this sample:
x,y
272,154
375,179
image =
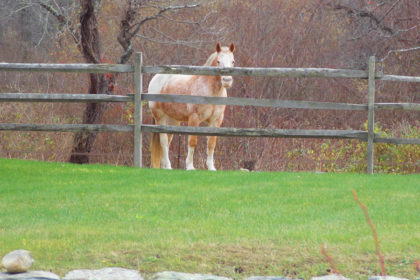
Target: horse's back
x,y
170,84
158,82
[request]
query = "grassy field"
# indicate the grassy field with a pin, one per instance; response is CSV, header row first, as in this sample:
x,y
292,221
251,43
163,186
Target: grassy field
x,y
228,223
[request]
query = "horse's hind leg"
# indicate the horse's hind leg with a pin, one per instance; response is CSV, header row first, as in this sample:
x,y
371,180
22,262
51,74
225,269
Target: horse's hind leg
x,y
165,142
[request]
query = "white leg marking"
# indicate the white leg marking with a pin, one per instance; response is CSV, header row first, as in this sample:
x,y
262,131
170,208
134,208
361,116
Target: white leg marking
x,y
164,160
210,159
189,163
210,162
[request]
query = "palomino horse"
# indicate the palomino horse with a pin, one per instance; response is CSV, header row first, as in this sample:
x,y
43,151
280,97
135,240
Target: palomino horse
x,y
194,114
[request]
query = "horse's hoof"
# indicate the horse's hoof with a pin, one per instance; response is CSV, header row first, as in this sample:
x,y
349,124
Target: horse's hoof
x,y
212,169
190,168
166,166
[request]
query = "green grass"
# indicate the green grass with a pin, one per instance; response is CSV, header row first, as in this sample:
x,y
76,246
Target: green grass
x,y
92,216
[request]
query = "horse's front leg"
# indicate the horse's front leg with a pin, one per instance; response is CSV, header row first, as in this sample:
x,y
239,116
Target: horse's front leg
x,y
193,120
211,140
211,144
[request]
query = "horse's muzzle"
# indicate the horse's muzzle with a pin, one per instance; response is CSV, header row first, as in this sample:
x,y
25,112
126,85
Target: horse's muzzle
x,y
227,81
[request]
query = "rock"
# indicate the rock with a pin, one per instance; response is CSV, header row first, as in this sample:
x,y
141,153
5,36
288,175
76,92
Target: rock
x,y
109,273
330,277
268,278
386,278
29,275
170,275
17,261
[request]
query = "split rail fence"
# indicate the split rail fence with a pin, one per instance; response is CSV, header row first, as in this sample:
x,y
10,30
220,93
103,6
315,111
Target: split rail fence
x,y
138,127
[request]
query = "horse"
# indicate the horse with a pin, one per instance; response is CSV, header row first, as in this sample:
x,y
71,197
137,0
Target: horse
x,y
175,113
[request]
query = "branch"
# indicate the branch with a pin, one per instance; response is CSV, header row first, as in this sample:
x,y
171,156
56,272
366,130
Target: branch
x,y
61,19
171,41
400,31
364,14
168,40
158,14
400,50
29,5
129,30
63,22
389,10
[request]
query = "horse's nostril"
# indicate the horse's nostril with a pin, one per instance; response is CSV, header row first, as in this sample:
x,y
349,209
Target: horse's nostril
x,y
227,79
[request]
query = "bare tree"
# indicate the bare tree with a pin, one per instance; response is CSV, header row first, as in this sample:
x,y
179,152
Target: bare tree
x,y
79,19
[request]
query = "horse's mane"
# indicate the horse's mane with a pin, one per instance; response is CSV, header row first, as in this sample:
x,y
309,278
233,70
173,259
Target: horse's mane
x,y
210,59
213,56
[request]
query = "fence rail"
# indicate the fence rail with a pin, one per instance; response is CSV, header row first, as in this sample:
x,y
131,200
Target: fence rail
x,y
205,70
138,127
75,68
233,101
63,97
254,132
66,127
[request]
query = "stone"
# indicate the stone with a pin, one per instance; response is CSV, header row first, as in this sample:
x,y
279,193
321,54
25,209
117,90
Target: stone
x,y
17,261
386,278
171,275
268,278
44,275
330,277
109,273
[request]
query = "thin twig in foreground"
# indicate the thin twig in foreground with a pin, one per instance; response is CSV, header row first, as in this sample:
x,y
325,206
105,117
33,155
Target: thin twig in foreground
x,y
329,259
375,235
417,266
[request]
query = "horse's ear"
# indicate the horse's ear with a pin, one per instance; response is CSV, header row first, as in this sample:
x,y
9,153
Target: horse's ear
x,y
218,47
232,47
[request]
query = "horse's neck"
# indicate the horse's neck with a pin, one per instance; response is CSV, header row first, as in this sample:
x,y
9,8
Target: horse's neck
x,y
213,83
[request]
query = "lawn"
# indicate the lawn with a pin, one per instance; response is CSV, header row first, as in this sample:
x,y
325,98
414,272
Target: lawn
x,y
228,223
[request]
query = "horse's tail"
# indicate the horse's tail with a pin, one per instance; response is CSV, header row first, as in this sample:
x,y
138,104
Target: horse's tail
x,y
155,150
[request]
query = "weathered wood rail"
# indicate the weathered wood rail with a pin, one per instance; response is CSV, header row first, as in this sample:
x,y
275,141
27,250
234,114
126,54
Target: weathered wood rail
x,y
138,127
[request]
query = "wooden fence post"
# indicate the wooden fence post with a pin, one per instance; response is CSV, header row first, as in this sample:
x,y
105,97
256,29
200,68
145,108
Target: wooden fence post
x,y
371,114
138,118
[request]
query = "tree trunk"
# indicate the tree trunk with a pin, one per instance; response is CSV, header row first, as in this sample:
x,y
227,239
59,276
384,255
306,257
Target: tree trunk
x,y
83,142
90,45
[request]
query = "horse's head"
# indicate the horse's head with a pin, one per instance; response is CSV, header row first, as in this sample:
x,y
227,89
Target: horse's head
x,y
225,58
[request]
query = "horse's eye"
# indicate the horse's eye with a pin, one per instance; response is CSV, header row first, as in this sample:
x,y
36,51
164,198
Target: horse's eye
x,y
218,62
233,62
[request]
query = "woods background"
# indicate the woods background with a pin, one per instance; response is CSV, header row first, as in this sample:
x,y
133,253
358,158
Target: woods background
x,y
267,33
